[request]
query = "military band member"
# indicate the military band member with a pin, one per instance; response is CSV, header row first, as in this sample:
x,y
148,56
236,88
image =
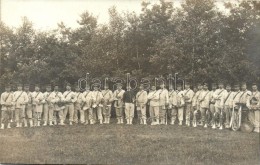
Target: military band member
x,y
180,103
37,104
196,104
227,105
47,106
255,107
19,101
118,103
163,102
218,96
244,101
204,100
172,109
141,100
129,101
70,99
212,101
7,106
188,95
97,106
86,106
107,102
77,103
28,106
154,106
58,102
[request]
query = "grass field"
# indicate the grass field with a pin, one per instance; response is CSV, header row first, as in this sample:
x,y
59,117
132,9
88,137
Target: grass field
x,y
124,144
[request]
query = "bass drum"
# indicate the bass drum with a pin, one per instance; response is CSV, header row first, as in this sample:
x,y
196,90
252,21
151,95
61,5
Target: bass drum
x,y
247,127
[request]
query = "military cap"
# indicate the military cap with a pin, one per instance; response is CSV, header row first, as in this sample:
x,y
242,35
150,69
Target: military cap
x,y
27,85
220,83
254,83
243,83
48,85
206,84
19,85
37,85
119,84
187,83
236,85
199,84
213,84
7,86
68,84
179,85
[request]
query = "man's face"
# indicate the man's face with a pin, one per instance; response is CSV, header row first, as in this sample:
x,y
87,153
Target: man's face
x,y
236,88
187,86
119,87
19,88
105,87
68,88
221,86
37,89
254,88
199,87
141,88
77,89
243,87
7,89
205,87
228,88
48,89
214,87
153,88
170,88
179,88
26,89
95,88
128,88
162,86
56,88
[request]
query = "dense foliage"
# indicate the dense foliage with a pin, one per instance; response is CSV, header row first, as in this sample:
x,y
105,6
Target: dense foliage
x,y
197,40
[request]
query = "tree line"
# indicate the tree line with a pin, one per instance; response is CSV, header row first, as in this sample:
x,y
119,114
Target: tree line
x,y
198,41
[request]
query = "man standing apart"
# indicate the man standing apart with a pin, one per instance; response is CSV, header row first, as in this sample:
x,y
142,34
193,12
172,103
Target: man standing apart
x,y
129,99
19,101
255,107
107,101
118,103
7,107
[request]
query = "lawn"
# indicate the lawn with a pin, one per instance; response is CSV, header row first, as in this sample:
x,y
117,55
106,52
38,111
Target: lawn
x,y
124,144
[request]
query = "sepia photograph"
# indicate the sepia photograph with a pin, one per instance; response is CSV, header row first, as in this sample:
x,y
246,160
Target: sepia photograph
x,y
149,82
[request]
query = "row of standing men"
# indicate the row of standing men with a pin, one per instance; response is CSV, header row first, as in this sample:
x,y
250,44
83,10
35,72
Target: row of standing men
x,y
198,106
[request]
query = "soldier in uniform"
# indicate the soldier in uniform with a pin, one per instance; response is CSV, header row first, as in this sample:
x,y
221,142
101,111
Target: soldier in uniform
x,y
7,106
212,101
107,102
19,101
118,103
58,102
129,101
153,101
28,106
196,104
172,110
244,101
86,106
77,103
188,95
97,106
180,103
227,105
255,107
218,96
37,105
47,106
70,99
163,102
141,100
204,100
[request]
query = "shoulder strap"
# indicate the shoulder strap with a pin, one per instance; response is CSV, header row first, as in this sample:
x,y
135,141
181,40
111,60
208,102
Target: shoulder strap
x,y
67,94
227,97
205,95
186,92
19,96
7,96
140,94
